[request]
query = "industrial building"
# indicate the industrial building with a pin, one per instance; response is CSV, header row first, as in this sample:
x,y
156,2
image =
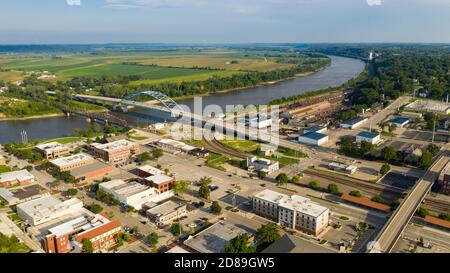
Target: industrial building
x,y
399,122
295,212
52,150
47,208
134,194
14,178
166,212
68,236
371,137
353,123
313,138
262,164
116,151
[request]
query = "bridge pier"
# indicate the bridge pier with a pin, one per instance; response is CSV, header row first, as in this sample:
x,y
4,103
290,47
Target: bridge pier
x,y
88,120
68,114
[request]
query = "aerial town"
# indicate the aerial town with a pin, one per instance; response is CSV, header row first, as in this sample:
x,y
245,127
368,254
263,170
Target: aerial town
x,y
260,148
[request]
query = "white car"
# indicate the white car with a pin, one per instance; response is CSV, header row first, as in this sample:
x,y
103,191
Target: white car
x,y
192,225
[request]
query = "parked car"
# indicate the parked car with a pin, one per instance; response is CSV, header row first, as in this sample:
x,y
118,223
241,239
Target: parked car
x,y
192,225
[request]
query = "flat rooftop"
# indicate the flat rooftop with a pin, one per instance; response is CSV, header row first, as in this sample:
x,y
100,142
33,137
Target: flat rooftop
x,y
16,175
314,135
172,142
399,120
116,145
354,121
367,134
46,206
149,169
429,105
294,202
73,159
124,188
291,244
214,238
97,165
165,208
366,202
159,178
50,145
83,223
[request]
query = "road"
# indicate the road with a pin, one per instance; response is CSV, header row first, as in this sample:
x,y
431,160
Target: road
x,y
20,234
400,218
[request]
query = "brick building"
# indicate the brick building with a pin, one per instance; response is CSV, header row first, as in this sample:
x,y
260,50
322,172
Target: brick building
x,y
68,236
22,177
116,151
52,150
72,162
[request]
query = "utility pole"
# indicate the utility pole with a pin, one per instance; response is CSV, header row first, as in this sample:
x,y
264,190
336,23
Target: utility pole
x,y
434,129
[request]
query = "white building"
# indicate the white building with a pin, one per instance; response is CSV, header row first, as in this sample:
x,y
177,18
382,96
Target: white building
x,y
399,122
134,194
343,168
313,138
47,208
52,150
295,212
371,137
262,164
261,122
353,123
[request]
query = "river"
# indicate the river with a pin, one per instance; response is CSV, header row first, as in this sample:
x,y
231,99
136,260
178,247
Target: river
x,y
340,71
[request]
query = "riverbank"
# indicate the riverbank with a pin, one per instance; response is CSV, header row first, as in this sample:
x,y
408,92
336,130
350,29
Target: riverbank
x,y
43,116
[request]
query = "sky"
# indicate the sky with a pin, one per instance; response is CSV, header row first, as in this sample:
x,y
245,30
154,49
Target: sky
x,y
223,21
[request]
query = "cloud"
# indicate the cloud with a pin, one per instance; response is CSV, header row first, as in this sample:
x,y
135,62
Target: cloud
x,y
73,2
374,2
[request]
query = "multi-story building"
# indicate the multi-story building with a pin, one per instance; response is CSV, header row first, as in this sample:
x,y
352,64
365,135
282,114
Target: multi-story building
x,y
295,212
262,164
134,194
47,208
446,180
22,177
167,212
72,162
52,150
68,236
116,151
156,178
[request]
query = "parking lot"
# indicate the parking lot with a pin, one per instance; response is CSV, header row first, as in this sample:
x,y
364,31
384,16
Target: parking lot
x,y
398,180
426,136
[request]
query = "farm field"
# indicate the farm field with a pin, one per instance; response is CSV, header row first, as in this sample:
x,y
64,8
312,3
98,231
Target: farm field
x,y
168,66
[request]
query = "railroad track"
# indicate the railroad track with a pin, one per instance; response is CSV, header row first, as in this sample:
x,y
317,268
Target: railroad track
x,y
217,147
433,204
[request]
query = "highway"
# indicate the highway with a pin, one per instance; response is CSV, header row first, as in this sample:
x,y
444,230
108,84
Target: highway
x,y
392,230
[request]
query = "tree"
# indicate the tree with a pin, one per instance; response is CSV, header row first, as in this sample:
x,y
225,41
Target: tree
x,y
395,204
118,239
422,212
355,193
385,169
282,179
216,208
378,199
261,174
205,180
176,229
333,189
392,128
389,154
153,239
239,244
180,187
425,159
204,191
157,153
71,192
433,149
12,244
268,234
145,156
313,185
96,208
295,179
87,245
29,168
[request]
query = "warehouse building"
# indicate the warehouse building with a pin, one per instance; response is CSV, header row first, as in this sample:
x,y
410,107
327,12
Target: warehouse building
x,y
14,178
353,123
315,129
52,150
72,162
47,208
82,166
371,137
399,122
313,138
295,212
134,194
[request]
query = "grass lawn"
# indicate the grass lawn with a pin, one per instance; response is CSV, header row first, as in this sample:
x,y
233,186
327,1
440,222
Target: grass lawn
x,y
4,169
241,145
11,76
216,161
138,137
64,140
